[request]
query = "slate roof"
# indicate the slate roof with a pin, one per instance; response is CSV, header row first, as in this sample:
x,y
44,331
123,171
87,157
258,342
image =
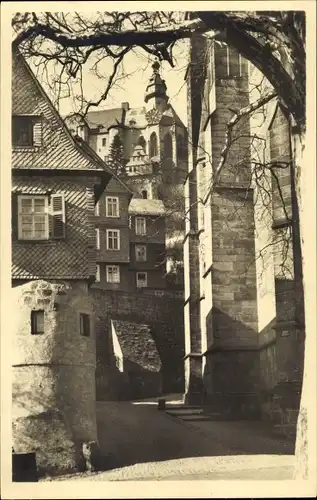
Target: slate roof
x,y
59,150
107,118
137,344
141,206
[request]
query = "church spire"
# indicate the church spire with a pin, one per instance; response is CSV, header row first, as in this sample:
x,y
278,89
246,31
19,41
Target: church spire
x,y
155,93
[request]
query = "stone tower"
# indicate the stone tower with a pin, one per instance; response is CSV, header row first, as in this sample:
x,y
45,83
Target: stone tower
x,y
220,279
155,94
53,403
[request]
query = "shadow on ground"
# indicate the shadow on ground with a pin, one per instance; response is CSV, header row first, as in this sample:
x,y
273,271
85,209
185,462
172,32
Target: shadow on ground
x,y
129,434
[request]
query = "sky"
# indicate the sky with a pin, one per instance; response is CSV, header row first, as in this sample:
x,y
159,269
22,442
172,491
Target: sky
x,y
131,85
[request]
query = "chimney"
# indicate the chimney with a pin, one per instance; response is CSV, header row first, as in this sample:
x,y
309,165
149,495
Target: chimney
x,y
125,106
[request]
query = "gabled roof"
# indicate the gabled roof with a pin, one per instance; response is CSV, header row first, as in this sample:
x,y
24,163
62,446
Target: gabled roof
x,y
171,113
140,206
106,118
59,150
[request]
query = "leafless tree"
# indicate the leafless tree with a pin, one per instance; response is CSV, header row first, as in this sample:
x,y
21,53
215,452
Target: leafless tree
x,y
274,42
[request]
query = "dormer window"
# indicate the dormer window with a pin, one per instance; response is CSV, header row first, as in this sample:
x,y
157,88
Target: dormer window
x,y
26,131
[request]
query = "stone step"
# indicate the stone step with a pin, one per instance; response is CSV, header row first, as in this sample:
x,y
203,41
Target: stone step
x,y
196,416
194,411
183,406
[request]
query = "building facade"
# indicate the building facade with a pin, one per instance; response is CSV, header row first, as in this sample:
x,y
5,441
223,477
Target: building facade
x,y
235,357
54,189
86,266
150,155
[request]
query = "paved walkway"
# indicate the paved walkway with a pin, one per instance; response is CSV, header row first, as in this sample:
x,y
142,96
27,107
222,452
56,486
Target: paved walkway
x,y
143,443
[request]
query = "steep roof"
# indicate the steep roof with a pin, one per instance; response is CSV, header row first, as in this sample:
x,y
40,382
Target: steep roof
x,y
96,158
138,115
107,118
146,207
137,344
59,150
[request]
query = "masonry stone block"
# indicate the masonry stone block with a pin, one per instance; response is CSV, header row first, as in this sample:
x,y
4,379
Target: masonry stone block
x,y
53,400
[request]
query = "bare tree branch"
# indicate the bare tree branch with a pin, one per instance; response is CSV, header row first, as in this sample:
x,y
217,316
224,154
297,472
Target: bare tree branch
x,y
234,120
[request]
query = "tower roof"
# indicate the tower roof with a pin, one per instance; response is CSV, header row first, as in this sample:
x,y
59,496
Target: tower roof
x,y
157,86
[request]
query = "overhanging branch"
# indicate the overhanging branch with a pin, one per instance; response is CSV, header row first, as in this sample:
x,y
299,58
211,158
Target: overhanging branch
x,y
247,110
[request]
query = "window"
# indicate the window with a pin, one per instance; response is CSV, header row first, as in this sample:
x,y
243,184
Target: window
x,y
97,238
84,321
140,253
153,145
181,152
97,208
97,278
104,142
144,194
113,239
140,225
180,294
26,131
168,147
113,274
141,280
33,217
112,207
39,220
37,322
159,293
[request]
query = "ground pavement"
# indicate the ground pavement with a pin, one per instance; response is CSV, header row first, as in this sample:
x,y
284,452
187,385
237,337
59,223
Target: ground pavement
x,y
144,443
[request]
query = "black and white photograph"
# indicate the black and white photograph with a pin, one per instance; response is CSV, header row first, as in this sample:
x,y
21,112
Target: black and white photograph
x,y
158,249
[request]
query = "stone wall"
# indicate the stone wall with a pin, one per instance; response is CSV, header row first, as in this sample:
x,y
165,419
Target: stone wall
x,y
165,318
53,399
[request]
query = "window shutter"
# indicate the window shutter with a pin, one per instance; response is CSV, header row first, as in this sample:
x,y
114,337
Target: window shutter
x,y
37,133
57,216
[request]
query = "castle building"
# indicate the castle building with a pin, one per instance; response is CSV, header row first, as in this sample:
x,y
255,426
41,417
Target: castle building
x,y
154,152
243,332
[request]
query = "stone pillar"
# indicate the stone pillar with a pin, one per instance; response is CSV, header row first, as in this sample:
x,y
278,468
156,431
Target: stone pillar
x,y
53,400
232,355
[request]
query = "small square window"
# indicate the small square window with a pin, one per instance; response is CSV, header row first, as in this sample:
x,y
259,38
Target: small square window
x,y
140,253
22,131
113,239
113,274
140,225
141,280
37,322
112,206
84,325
